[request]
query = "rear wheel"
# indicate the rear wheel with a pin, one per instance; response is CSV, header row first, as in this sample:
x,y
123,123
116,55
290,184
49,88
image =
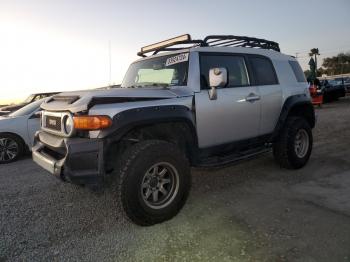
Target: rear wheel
x,y
11,148
154,181
293,147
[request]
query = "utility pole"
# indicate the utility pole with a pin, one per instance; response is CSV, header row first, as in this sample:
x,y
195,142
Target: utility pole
x,y
110,62
316,59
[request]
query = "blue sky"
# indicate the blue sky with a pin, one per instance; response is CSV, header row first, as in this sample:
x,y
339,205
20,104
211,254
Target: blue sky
x,y
63,45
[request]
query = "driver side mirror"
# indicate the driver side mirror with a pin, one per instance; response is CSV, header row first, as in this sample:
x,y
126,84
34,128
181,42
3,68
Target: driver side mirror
x,y
217,79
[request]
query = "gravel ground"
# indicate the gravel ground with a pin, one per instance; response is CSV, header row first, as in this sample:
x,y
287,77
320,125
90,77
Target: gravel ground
x,y
253,211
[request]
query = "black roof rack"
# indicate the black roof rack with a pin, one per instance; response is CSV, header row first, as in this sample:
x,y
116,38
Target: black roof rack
x,y
185,41
240,41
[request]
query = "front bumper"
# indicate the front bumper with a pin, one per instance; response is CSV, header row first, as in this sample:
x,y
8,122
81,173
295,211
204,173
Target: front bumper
x,y
76,160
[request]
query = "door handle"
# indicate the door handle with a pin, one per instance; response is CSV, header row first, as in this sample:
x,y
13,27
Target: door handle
x,y
252,97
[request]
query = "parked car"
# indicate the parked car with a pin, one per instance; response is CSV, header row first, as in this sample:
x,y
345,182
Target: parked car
x,y
217,101
332,89
17,131
34,97
347,84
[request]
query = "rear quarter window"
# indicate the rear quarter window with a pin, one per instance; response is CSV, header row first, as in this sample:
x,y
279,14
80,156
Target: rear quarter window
x,y
298,72
264,72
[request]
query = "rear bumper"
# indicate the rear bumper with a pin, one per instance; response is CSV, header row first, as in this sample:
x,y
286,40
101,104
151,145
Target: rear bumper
x,y
76,160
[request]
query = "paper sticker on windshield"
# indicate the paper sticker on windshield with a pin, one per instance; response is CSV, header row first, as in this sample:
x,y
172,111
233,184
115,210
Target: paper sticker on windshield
x,y
176,59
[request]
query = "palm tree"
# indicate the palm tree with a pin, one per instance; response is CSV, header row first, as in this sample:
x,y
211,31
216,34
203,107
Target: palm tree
x,y
314,52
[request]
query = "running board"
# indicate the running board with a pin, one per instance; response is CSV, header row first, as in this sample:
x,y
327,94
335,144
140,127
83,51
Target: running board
x,y
221,161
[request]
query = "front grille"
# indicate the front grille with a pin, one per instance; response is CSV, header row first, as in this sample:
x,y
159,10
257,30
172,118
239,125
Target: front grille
x,y
53,122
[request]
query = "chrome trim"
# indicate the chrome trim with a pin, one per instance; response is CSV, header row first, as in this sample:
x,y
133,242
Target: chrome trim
x,y
48,163
62,116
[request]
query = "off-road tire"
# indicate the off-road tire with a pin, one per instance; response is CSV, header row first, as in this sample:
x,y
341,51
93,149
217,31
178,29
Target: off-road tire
x,y
133,165
20,146
284,146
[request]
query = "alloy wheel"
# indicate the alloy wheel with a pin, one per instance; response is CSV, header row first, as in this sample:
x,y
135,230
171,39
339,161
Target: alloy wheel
x,y
8,149
160,185
301,143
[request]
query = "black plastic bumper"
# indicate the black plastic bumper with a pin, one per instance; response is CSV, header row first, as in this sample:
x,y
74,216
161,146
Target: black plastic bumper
x,y
76,160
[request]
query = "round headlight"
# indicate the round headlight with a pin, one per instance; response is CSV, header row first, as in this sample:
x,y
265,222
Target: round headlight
x,y
68,125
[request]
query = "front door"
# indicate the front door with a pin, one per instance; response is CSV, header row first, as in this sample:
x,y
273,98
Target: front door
x,y
235,114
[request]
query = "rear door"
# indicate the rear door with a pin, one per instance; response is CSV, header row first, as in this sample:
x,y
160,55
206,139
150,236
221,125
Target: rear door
x,y
235,114
265,79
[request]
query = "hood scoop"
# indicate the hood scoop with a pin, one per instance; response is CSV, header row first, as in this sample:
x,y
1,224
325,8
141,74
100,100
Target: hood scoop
x,y
67,99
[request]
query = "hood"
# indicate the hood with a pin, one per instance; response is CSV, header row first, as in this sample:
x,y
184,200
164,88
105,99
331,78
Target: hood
x,y
83,100
2,118
17,125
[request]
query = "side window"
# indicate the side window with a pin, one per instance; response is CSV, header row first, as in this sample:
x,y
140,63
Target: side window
x,y
298,72
264,72
235,65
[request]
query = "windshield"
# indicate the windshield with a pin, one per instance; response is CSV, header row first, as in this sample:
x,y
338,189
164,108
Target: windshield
x,y
162,71
28,109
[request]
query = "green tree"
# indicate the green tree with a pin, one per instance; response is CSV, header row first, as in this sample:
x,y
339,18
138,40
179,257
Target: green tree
x,y
339,64
321,71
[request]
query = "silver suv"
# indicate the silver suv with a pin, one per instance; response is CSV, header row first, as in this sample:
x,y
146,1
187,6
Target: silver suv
x,y
191,103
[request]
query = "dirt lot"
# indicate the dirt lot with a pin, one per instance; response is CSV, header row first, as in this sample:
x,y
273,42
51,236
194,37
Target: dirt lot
x,y
253,211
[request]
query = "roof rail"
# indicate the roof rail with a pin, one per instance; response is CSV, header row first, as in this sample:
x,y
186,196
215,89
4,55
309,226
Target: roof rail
x,y
185,41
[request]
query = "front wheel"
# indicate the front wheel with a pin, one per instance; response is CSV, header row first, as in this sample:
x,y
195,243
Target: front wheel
x,y
154,181
11,148
293,147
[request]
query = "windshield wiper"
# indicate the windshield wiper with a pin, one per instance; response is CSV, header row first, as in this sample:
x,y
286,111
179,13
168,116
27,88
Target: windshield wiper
x,y
163,85
133,86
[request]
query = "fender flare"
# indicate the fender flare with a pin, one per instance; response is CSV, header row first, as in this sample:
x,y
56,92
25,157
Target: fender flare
x,y
290,104
127,120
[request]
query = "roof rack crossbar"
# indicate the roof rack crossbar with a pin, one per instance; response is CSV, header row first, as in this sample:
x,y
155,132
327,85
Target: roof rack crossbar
x,y
227,43
236,43
211,40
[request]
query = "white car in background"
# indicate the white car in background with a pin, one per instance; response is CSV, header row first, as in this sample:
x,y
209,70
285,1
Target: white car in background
x,y
17,131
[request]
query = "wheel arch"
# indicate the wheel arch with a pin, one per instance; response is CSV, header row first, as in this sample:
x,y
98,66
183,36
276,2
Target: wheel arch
x,y
297,105
173,124
21,139
16,135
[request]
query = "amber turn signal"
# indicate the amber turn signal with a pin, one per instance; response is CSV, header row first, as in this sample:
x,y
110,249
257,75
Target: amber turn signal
x,y
92,122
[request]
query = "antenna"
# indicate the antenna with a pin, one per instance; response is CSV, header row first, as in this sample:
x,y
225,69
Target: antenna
x,y
110,63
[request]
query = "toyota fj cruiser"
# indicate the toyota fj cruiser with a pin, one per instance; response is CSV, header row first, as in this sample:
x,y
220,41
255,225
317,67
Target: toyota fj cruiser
x,y
191,103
